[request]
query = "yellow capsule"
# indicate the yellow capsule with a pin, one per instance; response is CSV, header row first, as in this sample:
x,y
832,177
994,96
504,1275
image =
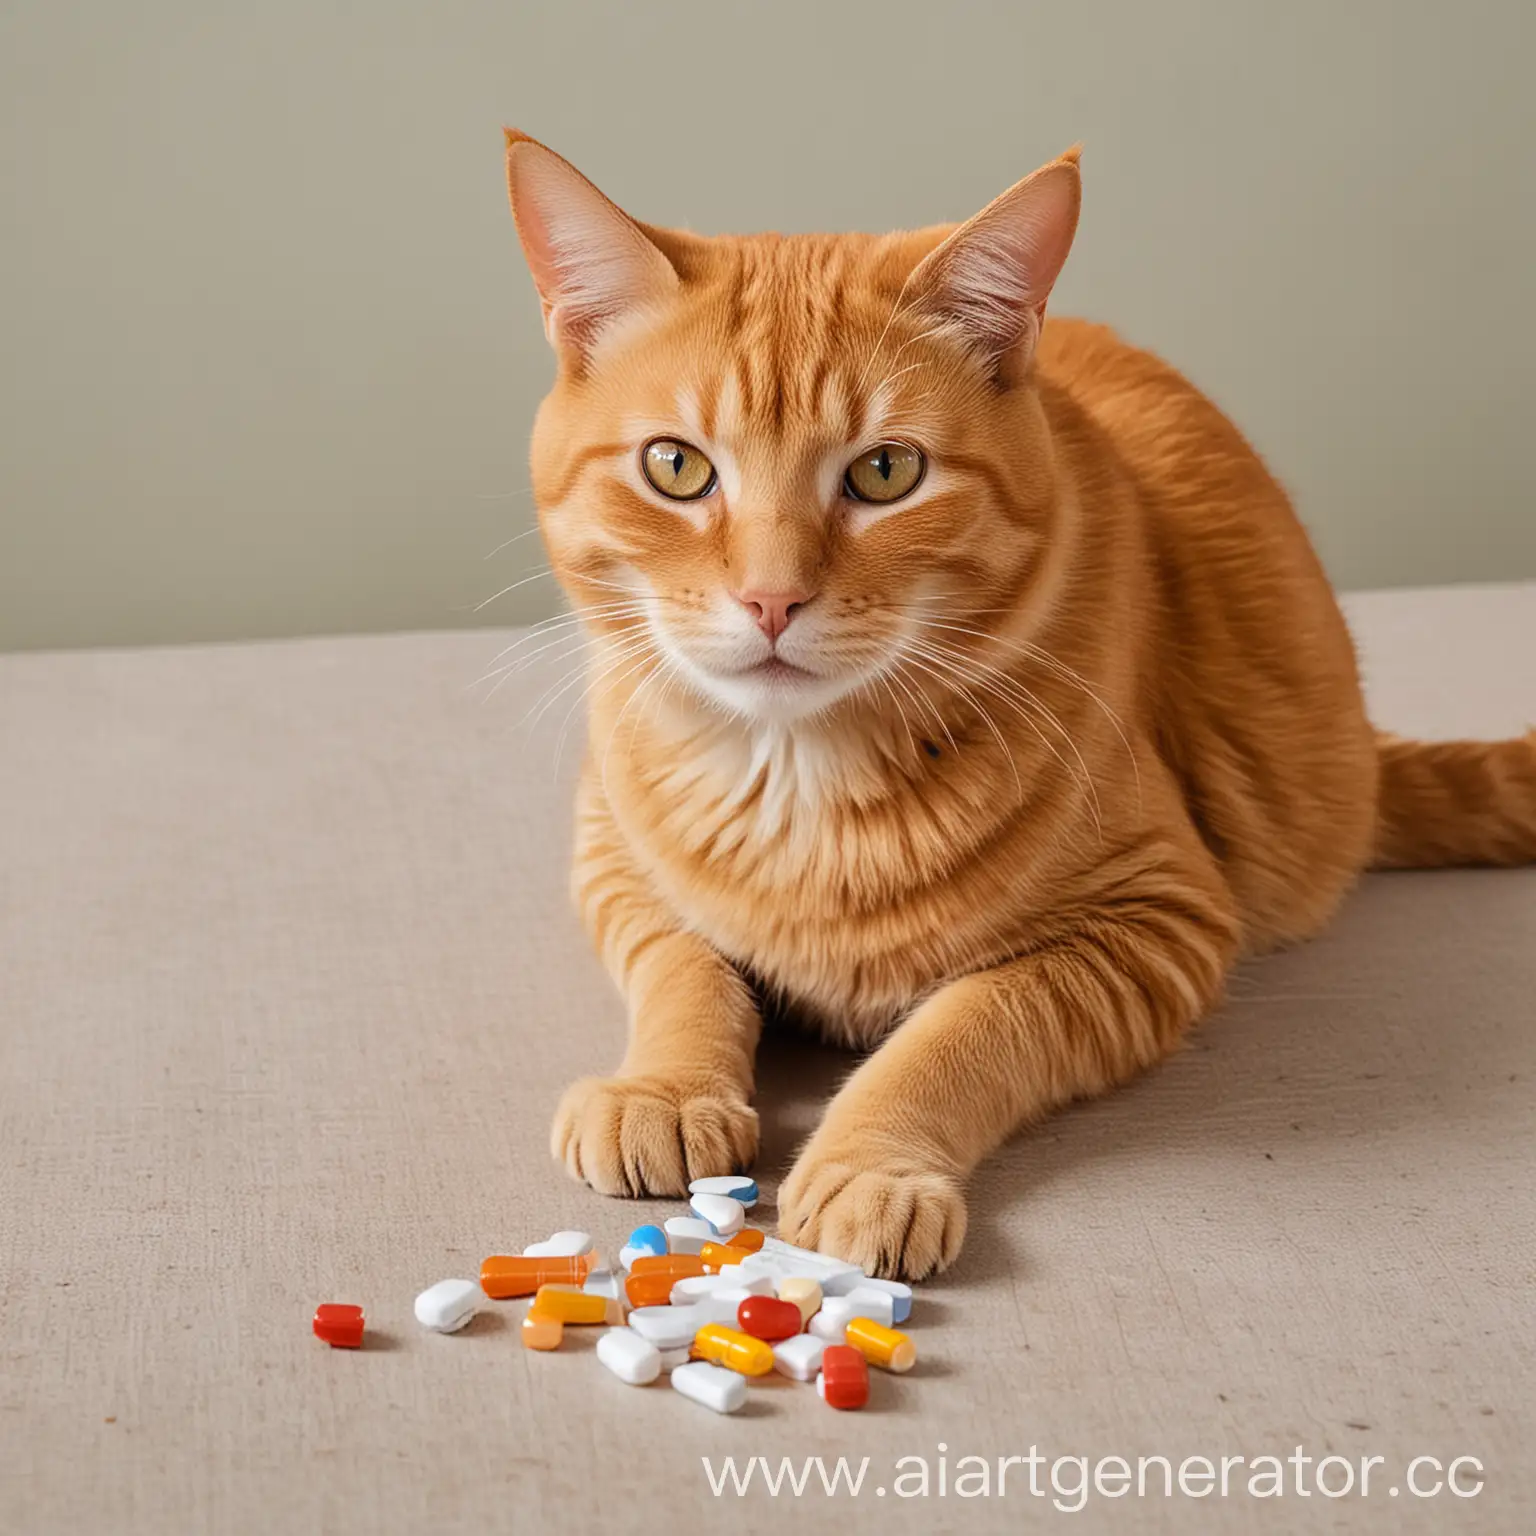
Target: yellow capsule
x,y
540,1331
736,1351
571,1304
881,1345
806,1294
715,1256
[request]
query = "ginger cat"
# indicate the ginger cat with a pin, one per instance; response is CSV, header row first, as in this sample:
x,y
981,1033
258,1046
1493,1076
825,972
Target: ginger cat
x,y
962,683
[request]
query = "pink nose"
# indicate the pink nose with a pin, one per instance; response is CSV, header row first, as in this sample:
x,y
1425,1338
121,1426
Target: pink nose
x,y
772,611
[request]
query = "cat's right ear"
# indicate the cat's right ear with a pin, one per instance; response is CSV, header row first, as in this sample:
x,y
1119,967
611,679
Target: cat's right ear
x,y
591,262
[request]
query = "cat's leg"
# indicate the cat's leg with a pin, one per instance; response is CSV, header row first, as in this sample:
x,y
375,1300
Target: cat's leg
x,y
881,1182
678,1106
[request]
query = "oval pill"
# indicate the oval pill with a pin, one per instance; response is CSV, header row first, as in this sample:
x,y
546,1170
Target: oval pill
x,y
502,1276
799,1358
878,1306
648,1239
687,1234
725,1215
899,1292
806,1294
738,1186
880,1345
629,1356
447,1306
843,1381
735,1350
749,1238
766,1317
540,1331
716,1388
667,1327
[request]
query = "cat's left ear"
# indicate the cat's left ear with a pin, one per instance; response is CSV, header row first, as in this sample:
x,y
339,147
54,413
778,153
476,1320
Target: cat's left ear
x,y
591,262
989,281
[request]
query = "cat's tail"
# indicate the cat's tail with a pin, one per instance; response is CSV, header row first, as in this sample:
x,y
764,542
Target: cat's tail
x,y
1455,802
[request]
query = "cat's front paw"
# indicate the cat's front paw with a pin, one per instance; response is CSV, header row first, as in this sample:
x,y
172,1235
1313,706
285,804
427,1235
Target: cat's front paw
x,y
648,1136
887,1213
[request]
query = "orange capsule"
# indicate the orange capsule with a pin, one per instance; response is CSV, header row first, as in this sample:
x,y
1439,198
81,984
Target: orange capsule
x,y
571,1304
339,1324
652,1290
749,1238
716,1256
883,1346
540,1331
502,1275
677,1266
735,1350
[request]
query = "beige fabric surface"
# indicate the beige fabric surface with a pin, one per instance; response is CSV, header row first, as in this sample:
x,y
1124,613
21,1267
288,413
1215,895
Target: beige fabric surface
x,y
289,985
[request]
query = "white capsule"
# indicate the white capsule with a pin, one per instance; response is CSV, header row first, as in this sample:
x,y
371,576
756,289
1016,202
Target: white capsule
x,y
720,1306
714,1386
449,1305
687,1234
726,1216
737,1185
692,1288
799,1358
629,1356
672,1358
668,1327
900,1293
560,1245
866,1301
831,1322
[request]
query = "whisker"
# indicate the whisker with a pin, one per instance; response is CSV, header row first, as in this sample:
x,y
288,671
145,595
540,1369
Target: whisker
x,y
537,576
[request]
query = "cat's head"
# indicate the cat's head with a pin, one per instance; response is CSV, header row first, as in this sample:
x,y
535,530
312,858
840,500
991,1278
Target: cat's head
x,y
777,467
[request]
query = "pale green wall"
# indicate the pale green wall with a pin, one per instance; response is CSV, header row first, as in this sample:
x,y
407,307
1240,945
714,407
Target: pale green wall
x,y
268,354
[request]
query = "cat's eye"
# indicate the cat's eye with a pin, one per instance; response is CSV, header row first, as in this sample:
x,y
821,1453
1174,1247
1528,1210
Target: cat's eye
x,y
677,469
886,472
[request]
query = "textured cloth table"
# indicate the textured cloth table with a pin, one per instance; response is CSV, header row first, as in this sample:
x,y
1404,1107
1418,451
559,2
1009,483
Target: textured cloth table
x,y
289,985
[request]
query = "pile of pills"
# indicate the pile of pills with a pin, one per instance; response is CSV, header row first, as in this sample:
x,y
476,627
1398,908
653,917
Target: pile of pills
x,y
706,1299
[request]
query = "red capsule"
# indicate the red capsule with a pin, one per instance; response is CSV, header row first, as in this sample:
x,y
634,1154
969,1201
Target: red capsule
x,y
339,1325
844,1378
766,1317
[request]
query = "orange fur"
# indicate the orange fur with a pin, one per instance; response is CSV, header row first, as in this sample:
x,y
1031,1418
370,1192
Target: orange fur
x,y
1076,725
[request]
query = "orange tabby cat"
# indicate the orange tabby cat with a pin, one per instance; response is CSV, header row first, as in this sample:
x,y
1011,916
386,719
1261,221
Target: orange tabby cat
x,y
962,683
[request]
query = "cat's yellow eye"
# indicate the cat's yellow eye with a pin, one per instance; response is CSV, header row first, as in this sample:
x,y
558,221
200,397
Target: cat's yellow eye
x,y
677,469
886,472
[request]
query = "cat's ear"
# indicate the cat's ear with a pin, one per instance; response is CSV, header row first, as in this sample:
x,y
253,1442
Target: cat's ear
x,y
989,281
591,262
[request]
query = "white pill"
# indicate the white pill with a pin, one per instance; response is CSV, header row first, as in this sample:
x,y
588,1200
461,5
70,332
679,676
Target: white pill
x,y
720,1306
628,1255
692,1287
714,1386
668,1327
725,1215
672,1358
866,1301
560,1245
448,1306
753,1285
831,1323
786,1262
737,1185
900,1294
629,1356
687,1234
799,1358
604,1282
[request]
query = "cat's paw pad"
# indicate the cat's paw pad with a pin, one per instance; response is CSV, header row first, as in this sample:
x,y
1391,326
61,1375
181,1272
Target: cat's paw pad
x,y
646,1136
901,1221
